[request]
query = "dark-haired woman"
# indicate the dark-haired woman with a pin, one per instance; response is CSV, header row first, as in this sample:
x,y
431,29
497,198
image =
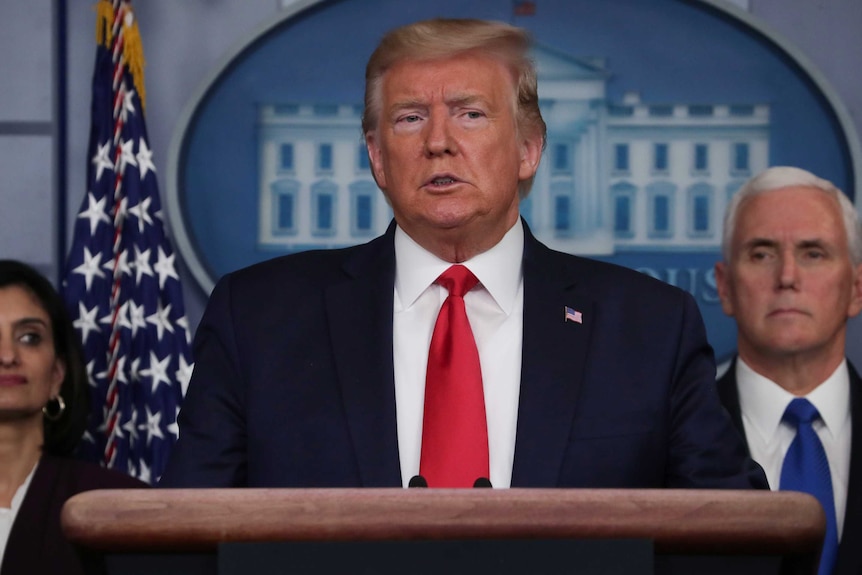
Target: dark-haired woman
x,y
43,414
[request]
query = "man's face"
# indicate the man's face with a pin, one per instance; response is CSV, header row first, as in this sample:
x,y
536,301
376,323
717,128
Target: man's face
x,y
447,151
790,282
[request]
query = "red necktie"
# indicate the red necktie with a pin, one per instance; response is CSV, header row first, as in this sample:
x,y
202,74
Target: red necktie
x,y
454,430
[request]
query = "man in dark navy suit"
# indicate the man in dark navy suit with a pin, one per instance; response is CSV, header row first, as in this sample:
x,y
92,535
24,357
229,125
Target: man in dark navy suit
x,y
791,277
311,368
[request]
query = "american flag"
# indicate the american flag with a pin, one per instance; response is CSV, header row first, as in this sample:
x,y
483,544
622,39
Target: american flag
x,y
574,315
121,284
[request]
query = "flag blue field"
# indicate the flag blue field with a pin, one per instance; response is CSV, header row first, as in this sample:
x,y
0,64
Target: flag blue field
x,y
120,282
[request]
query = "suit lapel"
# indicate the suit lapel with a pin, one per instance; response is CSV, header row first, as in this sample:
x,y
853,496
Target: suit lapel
x,y
728,393
360,320
553,362
31,531
849,553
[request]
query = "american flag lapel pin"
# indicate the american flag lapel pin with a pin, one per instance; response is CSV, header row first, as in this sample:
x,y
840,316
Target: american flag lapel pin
x,y
574,315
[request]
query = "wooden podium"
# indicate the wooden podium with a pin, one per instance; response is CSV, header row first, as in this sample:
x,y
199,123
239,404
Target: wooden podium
x,y
186,528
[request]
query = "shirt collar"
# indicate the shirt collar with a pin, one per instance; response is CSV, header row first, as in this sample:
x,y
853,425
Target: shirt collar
x,y
498,269
763,401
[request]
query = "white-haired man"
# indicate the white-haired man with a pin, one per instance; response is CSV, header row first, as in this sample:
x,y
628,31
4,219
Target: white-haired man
x,y
791,277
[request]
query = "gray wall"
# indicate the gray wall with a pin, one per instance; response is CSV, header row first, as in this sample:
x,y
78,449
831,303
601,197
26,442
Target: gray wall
x,y
185,41
27,133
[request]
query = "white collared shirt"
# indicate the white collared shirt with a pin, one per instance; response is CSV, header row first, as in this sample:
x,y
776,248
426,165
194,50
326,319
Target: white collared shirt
x,y
495,311
763,402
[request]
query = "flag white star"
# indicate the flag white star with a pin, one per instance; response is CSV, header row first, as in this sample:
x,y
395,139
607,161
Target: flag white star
x,y
122,263
158,370
124,203
88,437
153,426
86,322
142,212
135,371
128,103
121,371
144,472
103,428
162,320
183,322
184,374
102,160
142,264
165,267
131,469
90,267
122,317
145,158
130,427
95,212
91,366
136,317
173,427
127,155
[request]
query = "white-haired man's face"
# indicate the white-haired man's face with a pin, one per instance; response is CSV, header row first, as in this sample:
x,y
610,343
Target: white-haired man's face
x,y
790,282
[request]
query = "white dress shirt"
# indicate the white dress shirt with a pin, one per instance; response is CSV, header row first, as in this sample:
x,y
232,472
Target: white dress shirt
x,y
763,402
8,514
495,311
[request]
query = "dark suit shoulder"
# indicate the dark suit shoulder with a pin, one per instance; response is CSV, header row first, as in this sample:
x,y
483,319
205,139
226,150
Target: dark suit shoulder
x,y
75,476
613,281
593,273
313,268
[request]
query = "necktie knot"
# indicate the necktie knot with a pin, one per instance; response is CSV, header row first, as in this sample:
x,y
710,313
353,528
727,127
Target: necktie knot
x,y
457,280
800,411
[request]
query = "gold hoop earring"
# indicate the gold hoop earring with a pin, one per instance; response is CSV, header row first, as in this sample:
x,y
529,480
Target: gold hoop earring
x,y
51,412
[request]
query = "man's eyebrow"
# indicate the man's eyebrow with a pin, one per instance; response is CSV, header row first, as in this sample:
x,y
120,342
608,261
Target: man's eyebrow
x,y
407,105
462,99
812,243
760,243
770,243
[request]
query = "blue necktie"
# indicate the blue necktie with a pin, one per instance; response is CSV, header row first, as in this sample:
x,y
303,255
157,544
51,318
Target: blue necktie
x,y
807,469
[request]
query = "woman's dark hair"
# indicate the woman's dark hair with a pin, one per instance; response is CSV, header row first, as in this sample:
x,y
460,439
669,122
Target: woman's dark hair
x,y
61,436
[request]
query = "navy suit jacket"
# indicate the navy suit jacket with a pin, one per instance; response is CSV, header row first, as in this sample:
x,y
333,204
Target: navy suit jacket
x,y
293,384
849,560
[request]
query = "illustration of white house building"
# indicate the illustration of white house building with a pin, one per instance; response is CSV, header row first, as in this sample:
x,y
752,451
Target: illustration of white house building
x,y
616,176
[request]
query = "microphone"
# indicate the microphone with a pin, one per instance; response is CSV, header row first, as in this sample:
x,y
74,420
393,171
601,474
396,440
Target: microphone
x,y
482,482
418,481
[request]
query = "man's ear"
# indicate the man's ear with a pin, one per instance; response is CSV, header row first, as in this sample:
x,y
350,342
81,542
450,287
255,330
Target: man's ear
x,y
722,282
856,297
375,156
531,153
